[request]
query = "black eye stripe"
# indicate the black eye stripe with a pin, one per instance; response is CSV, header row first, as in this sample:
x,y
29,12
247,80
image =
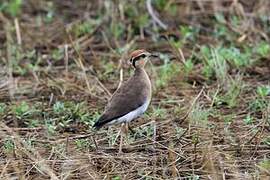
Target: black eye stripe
x,y
133,63
138,57
133,60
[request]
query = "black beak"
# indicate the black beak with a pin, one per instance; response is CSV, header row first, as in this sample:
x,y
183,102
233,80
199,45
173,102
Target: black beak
x,y
154,55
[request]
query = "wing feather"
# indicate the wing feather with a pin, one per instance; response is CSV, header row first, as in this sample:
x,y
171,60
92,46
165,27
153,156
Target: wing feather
x,y
126,99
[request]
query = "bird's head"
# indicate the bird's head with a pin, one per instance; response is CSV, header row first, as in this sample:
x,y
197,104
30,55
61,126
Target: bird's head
x,y
139,58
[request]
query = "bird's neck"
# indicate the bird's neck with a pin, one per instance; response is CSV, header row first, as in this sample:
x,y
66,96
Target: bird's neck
x,y
141,77
139,70
141,73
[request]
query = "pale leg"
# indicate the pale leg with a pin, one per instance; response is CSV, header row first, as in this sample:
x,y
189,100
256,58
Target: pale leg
x,y
121,138
130,129
154,131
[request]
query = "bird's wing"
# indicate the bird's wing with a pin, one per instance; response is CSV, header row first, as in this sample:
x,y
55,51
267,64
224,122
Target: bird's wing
x,y
126,99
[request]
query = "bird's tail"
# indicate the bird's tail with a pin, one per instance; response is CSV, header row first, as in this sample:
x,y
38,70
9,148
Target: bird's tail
x,y
103,120
100,122
98,125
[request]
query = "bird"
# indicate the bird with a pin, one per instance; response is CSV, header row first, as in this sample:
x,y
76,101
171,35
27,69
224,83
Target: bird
x,y
132,97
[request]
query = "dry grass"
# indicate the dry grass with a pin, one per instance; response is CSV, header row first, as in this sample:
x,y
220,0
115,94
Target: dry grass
x,y
60,61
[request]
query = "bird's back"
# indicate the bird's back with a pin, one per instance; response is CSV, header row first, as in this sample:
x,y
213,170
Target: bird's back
x,y
131,95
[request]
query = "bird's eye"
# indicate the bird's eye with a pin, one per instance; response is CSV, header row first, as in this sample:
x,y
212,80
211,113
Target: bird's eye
x,y
130,60
143,55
